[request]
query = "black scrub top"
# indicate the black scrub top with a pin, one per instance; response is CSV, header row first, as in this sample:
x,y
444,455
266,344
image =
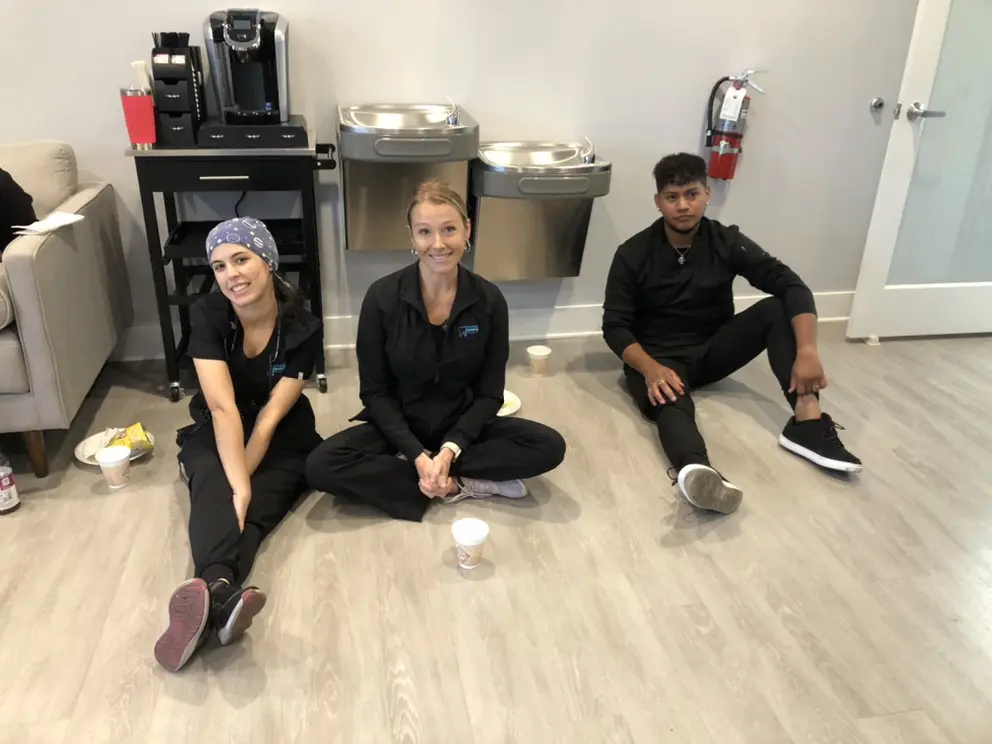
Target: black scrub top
x,y
292,351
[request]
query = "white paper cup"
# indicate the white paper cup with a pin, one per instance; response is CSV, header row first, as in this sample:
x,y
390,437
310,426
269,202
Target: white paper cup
x,y
470,536
539,362
115,462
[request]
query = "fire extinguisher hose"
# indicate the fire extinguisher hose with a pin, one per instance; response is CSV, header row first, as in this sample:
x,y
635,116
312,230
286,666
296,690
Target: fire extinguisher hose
x,y
709,109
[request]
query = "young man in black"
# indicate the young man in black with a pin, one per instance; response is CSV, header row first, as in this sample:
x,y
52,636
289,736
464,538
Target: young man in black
x,y
669,315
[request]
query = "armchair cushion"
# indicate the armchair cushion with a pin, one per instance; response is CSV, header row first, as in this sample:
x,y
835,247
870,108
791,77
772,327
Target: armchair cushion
x,y
6,304
46,170
13,371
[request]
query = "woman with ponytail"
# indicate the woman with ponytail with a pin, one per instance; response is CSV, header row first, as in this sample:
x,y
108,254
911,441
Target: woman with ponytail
x,y
254,345
433,341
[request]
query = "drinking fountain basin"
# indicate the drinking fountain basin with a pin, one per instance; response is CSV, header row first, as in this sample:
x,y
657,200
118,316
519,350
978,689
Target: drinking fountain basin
x,y
405,132
515,170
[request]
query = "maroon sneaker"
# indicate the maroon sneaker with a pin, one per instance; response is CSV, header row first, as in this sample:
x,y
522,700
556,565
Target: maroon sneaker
x,y
233,609
189,614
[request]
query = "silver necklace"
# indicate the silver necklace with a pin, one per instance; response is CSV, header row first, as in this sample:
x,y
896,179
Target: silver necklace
x,y
682,252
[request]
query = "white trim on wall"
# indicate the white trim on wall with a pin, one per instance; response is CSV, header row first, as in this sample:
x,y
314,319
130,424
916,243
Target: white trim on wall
x,y
144,341
577,321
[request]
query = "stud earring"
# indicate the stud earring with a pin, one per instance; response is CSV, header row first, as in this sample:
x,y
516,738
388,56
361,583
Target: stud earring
x,y
413,251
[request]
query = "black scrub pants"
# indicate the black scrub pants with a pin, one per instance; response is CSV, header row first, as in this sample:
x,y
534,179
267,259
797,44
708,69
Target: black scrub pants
x,y
763,326
360,464
220,549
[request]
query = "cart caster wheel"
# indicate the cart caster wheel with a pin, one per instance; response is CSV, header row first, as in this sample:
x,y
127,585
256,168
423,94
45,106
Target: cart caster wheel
x,y
322,383
175,392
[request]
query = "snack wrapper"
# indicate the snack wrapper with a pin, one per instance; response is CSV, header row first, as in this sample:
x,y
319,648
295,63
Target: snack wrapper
x,y
133,437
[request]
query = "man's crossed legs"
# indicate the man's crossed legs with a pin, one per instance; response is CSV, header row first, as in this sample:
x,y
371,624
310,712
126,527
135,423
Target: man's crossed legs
x,y
809,433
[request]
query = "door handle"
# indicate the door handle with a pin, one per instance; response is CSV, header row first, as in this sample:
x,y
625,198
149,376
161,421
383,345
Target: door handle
x,y
917,110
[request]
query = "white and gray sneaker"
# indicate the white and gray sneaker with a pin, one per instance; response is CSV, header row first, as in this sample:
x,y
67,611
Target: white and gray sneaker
x,y
474,488
705,488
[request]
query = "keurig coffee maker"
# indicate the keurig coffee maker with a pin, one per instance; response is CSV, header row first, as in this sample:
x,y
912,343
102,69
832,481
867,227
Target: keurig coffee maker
x,y
248,65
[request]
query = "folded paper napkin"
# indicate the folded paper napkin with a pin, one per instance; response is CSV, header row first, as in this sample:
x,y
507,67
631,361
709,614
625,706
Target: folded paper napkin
x,y
51,223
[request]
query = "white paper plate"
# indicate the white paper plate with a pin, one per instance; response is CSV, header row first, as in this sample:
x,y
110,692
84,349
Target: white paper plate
x,y
86,450
511,404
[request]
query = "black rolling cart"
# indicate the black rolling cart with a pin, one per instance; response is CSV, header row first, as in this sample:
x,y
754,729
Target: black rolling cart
x,y
169,171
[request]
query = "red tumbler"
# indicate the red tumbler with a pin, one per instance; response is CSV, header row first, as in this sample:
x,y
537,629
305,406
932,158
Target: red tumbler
x,y
139,116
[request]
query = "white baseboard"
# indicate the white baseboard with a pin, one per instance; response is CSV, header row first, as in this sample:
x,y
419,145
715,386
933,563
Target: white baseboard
x,y
577,321
831,307
144,341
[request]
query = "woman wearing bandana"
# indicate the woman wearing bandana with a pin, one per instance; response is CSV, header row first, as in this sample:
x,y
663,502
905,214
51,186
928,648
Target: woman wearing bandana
x,y
254,346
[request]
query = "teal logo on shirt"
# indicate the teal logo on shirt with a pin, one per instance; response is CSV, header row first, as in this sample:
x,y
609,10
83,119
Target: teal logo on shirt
x,y
278,369
467,330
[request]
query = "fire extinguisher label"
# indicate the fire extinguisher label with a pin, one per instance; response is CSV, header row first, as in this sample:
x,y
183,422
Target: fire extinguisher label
x,y
732,102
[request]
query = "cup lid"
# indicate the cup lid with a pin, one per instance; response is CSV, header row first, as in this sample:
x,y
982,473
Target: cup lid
x,y
469,531
111,455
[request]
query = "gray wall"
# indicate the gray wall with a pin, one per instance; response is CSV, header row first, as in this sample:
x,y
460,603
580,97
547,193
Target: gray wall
x,y
633,76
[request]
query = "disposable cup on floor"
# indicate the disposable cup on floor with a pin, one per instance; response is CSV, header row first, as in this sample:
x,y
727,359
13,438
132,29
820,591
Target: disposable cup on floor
x,y
539,359
470,536
115,462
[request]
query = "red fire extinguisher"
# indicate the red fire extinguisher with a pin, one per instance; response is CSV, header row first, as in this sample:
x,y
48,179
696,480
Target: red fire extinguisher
x,y
726,125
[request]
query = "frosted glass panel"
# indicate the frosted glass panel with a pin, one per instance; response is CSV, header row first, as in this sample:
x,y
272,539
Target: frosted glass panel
x,y
946,231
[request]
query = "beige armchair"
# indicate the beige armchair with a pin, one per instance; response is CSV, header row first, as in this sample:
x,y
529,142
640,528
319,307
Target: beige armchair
x,y
64,297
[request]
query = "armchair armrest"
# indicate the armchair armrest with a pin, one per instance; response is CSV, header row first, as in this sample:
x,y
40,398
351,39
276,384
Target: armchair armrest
x,y
72,301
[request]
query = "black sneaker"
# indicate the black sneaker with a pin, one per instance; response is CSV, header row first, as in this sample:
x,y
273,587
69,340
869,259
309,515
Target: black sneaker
x,y
189,616
232,609
818,442
705,488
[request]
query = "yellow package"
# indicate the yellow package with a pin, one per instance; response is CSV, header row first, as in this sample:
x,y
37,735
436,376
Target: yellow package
x,y
133,437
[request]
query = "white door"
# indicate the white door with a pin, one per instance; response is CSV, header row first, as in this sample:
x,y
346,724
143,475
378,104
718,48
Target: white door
x,y
927,266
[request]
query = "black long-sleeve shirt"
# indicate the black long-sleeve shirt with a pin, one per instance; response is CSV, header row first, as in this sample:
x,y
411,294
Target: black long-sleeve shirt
x,y
665,306
421,394
15,208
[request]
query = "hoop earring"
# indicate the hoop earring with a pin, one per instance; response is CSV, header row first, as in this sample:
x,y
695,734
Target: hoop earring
x,y
413,251
468,247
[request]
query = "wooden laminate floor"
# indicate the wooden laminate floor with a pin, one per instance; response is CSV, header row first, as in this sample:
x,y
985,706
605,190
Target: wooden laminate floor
x,y
825,610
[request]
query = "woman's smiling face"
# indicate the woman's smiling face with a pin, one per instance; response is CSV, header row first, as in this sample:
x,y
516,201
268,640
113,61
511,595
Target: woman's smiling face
x,y
242,276
439,234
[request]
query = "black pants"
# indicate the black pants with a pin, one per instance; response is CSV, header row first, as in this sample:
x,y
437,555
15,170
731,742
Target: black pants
x,y
762,326
220,549
359,464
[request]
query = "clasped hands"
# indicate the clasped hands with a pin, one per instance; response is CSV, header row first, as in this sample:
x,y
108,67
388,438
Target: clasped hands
x,y
435,481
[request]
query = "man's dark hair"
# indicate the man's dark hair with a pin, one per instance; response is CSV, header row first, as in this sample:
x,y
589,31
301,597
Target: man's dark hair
x,y
680,169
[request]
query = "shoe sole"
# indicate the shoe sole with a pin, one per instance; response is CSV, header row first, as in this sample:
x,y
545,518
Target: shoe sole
x,y
251,603
711,492
823,462
189,610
